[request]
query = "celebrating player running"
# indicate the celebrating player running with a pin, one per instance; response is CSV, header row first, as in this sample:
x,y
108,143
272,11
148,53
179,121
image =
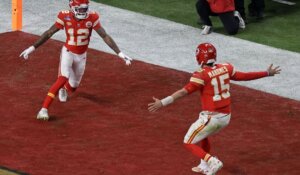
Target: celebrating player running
x,y
213,82
78,23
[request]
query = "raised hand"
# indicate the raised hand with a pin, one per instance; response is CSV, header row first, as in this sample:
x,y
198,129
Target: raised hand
x,y
272,71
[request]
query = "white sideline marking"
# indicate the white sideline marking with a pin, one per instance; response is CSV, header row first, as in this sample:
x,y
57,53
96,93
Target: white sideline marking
x,y
285,2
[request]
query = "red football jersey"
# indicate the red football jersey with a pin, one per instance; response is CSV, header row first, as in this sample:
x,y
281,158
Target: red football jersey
x,y
214,84
78,32
221,6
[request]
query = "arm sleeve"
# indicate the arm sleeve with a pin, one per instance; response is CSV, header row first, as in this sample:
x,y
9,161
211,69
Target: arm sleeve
x,y
59,23
245,76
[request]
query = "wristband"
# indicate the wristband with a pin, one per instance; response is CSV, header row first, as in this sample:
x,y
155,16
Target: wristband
x,y
121,54
31,48
168,100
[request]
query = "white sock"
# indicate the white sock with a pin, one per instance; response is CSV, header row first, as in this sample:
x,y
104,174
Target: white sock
x,y
203,164
44,109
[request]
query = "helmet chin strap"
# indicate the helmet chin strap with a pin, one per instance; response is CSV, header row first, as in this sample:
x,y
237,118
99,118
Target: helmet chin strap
x,y
201,64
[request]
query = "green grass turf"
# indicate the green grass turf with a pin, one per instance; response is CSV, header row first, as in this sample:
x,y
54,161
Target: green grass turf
x,y
280,28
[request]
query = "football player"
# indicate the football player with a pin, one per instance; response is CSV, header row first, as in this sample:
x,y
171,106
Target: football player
x,y
78,23
213,82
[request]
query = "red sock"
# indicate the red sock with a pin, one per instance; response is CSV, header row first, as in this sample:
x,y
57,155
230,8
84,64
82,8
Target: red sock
x,y
53,91
69,87
205,145
198,151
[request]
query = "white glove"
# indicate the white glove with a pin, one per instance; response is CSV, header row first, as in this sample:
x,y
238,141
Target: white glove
x,y
126,58
26,52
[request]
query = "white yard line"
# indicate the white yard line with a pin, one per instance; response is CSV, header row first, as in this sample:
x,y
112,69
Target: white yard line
x,y
285,2
167,43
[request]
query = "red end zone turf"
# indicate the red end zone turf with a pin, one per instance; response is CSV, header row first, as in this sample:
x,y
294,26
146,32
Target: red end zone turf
x,y
105,128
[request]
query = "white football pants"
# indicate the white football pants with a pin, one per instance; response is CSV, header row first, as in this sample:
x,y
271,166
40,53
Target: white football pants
x,y
208,123
72,66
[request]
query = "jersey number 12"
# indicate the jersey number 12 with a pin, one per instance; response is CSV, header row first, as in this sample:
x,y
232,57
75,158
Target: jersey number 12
x,y
82,37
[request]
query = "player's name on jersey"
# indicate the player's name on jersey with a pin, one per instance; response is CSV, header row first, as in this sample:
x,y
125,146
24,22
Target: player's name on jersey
x,y
218,71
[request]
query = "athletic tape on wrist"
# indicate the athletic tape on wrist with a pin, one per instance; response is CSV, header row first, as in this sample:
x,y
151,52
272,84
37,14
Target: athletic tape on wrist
x,y
121,55
31,48
168,100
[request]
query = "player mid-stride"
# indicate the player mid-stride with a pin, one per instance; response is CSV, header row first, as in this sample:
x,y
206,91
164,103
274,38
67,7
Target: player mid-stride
x,y
212,81
78,23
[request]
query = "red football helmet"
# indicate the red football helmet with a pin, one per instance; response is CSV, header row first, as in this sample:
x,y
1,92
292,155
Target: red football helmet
x,y
206,53
80,8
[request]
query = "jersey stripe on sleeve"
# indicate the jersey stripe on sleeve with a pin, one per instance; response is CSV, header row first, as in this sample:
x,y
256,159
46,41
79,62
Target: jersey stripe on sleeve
x,y
197,80
96,22
60,21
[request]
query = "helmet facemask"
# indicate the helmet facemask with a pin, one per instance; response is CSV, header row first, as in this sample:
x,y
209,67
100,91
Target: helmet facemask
x,y
80,10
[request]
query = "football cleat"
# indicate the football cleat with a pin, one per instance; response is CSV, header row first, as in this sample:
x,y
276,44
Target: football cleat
x,y
206,30
62,95
214,165
201,168
242,24
43,114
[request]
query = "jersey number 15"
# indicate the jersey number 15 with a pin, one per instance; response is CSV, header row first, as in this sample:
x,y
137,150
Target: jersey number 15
x,y
221,89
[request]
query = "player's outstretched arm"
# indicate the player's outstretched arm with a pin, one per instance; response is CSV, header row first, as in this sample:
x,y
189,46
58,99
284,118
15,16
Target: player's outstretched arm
x,y
157,104
45,36
246,76
112,44
273,71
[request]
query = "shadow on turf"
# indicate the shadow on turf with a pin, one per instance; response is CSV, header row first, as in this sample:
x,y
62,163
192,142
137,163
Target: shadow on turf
x,y
93,98
53,118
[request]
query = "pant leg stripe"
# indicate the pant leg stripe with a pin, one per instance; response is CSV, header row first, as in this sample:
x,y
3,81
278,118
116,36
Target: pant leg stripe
x,y
197,131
